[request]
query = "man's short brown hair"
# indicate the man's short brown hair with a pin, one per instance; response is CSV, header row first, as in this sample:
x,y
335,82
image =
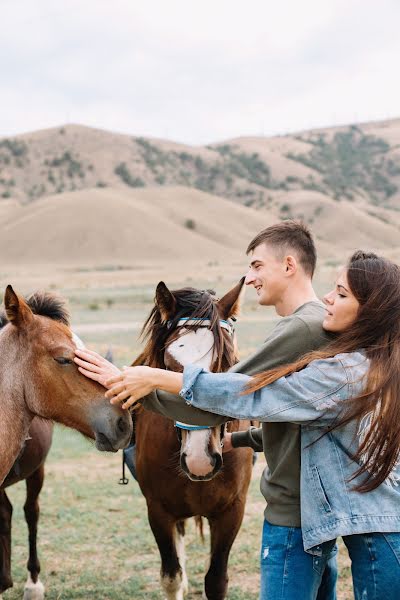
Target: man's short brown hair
x,y
289,236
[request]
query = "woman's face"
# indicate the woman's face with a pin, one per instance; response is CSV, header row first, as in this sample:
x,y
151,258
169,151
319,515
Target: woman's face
x,y
341,305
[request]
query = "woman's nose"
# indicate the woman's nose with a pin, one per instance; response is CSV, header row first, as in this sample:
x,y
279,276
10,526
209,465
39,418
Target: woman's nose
x,y
328,298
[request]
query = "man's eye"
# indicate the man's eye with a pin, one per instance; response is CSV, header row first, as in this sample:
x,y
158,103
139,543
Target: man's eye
x,y
63,361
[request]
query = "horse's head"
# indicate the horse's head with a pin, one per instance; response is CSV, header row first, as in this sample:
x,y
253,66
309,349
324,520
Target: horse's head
x,y
192,326
38,351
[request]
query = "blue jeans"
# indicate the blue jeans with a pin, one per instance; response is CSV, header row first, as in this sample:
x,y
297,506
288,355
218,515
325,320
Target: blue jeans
x,y
375,565
290,573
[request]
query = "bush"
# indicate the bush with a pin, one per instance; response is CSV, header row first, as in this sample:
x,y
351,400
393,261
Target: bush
x,y
190,224
123,172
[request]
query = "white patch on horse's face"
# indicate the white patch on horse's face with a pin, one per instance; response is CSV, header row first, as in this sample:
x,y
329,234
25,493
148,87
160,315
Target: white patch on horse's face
x,y
78,342
193,347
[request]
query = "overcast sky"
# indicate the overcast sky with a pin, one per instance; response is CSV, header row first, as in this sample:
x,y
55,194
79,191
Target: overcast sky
x,y
198,71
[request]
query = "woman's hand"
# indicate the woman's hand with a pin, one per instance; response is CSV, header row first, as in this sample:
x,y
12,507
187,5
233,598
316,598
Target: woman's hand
x,y
130,385
133,383
95,366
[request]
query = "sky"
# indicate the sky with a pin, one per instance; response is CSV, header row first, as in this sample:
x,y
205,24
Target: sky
x,y
198,71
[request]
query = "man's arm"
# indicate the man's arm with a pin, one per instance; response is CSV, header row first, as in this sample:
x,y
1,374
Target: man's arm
x,y
174,407
287,342
251,438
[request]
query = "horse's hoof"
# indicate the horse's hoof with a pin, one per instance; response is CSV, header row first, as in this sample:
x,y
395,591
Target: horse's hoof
x,y
33,591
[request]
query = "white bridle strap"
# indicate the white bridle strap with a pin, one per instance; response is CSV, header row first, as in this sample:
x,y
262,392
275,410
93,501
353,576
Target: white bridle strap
x,y
188,427
205,323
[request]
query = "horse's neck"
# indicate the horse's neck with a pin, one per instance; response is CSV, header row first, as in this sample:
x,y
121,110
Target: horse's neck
x,y
14,426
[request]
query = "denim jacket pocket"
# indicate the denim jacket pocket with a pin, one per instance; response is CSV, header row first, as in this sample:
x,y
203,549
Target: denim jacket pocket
x,y
319,489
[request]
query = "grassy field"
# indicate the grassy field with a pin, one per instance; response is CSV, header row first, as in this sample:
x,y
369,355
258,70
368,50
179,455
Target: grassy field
x,y
94,541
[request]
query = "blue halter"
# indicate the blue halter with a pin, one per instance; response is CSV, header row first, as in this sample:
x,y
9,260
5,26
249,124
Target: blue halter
x,y
225,324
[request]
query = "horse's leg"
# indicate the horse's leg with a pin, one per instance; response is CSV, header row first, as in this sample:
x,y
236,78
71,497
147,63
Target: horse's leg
x,y
34,588
169,540
5,542
223,528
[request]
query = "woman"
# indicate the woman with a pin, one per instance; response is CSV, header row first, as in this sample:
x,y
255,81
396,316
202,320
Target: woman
x,y
347,399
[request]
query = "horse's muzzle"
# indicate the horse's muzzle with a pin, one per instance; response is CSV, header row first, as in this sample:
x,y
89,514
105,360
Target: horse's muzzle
x,y
112,428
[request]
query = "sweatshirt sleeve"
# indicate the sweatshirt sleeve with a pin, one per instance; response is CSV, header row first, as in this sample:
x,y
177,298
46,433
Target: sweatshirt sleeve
x,y
314,394
289,339
251,438
174,407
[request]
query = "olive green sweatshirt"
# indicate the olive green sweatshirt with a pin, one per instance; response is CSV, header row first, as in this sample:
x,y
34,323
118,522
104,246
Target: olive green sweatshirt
x,y
292,337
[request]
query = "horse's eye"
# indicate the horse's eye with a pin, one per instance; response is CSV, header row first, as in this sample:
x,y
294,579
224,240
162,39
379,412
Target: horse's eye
x,y
63,361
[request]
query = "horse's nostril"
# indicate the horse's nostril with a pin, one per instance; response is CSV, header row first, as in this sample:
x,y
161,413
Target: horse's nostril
x,y
122,425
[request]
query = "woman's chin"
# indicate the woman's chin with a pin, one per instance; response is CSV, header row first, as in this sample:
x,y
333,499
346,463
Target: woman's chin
x,y
327,325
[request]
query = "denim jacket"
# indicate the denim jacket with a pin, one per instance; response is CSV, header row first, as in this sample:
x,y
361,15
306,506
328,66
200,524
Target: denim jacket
x,y
313,398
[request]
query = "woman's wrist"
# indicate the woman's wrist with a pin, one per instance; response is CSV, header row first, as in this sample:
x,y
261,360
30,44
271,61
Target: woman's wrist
x,y
169,381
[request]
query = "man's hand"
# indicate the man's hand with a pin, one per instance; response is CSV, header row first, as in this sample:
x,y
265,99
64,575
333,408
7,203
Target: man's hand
x,y
95,366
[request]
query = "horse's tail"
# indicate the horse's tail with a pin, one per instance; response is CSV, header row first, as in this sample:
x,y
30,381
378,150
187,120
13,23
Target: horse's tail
x,y
199,525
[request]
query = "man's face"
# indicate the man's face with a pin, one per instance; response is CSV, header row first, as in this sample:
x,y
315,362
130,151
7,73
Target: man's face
x,y
267,275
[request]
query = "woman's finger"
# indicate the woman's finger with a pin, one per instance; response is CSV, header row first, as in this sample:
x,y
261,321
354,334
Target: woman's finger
x,y
115,389
131,403
111,380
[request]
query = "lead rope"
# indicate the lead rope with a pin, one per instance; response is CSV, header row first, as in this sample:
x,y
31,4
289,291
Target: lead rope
x,y
123,480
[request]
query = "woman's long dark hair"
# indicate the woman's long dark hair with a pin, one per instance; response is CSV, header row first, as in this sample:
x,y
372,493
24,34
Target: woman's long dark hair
x,y
375,283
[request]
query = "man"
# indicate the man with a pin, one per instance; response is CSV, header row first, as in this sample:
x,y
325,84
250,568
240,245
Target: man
x,y
283,259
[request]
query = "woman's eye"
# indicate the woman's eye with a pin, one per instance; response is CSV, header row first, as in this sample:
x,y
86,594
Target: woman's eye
x,y
341,296
63,361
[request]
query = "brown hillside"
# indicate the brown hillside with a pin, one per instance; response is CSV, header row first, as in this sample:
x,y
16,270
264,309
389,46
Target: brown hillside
x,y
100,227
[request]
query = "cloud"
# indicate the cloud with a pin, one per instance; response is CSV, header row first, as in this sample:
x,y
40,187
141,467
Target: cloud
x,y
197,72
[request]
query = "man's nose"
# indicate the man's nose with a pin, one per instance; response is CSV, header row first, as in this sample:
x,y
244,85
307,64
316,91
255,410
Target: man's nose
x,y
249,279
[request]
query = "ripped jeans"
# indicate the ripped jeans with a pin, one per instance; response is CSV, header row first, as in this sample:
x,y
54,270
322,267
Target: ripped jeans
x,y
290,573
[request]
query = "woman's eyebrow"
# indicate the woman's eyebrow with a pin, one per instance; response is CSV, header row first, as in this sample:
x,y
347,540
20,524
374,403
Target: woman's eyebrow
x,y
339,285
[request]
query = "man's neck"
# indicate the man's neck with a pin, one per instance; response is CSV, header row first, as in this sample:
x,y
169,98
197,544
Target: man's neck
x,y
294,297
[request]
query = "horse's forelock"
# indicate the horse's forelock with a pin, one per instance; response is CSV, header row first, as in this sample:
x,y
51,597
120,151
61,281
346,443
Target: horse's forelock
x,y
49,305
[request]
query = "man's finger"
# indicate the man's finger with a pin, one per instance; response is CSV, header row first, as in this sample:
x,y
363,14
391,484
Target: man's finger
x,y
89,374
86,365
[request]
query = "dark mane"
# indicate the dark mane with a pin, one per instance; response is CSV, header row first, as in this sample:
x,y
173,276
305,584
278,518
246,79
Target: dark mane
x,y
44,304
193,303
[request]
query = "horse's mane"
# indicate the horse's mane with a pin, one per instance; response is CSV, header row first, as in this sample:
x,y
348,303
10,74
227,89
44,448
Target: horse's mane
x,y
193,303
44,304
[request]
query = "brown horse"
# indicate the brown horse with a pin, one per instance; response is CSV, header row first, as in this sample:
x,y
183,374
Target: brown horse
x,y
38,377
189,325
29,466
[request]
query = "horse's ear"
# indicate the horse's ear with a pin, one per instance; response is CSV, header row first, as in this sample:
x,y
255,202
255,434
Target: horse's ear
x,y
229,305
17,310
165,301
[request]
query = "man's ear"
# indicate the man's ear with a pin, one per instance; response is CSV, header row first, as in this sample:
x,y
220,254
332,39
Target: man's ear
x,y
229,305
290,264
165,301
17,311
